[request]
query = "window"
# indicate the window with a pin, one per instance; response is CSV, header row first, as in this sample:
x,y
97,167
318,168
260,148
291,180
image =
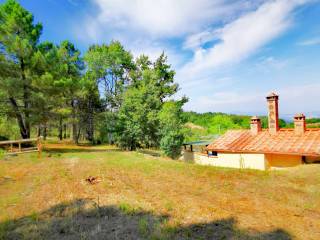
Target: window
x,y
212,153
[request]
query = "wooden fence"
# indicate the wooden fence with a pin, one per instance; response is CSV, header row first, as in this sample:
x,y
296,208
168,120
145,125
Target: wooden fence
x,y
16,146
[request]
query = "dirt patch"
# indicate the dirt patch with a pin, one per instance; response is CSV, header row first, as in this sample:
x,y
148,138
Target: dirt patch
x,y
93,180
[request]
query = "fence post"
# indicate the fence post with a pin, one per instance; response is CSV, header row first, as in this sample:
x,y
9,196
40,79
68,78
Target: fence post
x,y
19,147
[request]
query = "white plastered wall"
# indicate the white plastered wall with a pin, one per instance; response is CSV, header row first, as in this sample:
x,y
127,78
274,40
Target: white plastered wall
x,y
234,160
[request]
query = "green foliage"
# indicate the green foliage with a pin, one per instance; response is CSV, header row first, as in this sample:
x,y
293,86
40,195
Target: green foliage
x,y
143,226
1,153
195,134
313,120
106,127
106,92
171,125
109,66
219,123
145,119
138,120
213,124
128,209
19,60
8,129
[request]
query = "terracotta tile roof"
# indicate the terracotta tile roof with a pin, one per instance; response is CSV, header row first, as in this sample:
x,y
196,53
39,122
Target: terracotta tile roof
x,y
284,142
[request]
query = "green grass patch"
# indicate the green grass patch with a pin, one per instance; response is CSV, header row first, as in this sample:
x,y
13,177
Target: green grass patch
x,y
129,209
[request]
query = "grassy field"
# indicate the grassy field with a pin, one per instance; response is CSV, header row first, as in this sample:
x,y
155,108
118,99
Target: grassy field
x,y
141,196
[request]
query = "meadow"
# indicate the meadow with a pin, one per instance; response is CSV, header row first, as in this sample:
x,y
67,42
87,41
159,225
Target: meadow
x,y
140,195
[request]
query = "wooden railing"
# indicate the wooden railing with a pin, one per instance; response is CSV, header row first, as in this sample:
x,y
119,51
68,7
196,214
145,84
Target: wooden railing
x,y
10,146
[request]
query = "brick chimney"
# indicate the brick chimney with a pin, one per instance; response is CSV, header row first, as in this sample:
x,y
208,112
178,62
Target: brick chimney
x,y
255,125
299,124
273,115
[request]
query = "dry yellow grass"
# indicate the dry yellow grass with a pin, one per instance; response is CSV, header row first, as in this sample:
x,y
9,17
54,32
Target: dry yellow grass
x,y
143,196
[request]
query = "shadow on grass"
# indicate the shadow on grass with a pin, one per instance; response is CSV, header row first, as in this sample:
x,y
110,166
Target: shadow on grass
x,y
151,153
84,219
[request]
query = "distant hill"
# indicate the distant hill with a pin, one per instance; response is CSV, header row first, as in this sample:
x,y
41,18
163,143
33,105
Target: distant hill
x,y
205,126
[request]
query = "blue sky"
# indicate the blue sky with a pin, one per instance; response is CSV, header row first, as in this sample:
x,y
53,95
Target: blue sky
x,y
228,55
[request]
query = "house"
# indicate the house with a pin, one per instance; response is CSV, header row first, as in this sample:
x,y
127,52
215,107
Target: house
x,y
262,149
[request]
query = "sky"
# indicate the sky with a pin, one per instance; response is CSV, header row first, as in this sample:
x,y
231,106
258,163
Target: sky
x,y
228,55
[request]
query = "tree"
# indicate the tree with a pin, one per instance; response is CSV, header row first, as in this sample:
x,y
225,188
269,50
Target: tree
x,y
139,123
109,66
138,115
172,127
59,86
68,80
89,105
165,78
18,39
108,70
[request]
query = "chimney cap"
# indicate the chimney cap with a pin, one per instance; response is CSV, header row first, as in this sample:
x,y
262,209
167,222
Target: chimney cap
x,y
299,115
272,95
255,118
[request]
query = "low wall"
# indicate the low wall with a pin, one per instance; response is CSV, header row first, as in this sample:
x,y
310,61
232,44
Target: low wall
x,y
246,160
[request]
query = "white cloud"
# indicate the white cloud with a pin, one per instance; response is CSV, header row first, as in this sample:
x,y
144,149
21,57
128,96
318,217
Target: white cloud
x,y
268,64
185,30
198,39
164,18
242,37
293,99
226,101
154,49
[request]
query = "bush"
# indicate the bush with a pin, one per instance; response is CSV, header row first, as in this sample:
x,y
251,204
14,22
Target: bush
x,y
171,143
172,128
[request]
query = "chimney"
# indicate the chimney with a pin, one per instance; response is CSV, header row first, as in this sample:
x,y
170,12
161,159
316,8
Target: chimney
x,y
255,125
273,115
299,124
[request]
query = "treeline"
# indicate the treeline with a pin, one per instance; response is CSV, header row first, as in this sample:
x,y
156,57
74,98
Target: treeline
x,y
103,95
215,123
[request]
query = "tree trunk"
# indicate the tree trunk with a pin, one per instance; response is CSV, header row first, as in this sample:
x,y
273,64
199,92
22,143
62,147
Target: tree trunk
x,y
39,131
65,131
90,122
26,98
78,135
19,116
45,132
74,123
60,128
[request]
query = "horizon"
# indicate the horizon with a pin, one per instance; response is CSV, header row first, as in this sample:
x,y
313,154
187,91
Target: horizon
x,y
227,56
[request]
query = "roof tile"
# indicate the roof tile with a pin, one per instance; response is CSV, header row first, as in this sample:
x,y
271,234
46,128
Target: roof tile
x,y
284,142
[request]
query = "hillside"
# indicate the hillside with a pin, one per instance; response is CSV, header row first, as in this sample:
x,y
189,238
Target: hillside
x,y
208,125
